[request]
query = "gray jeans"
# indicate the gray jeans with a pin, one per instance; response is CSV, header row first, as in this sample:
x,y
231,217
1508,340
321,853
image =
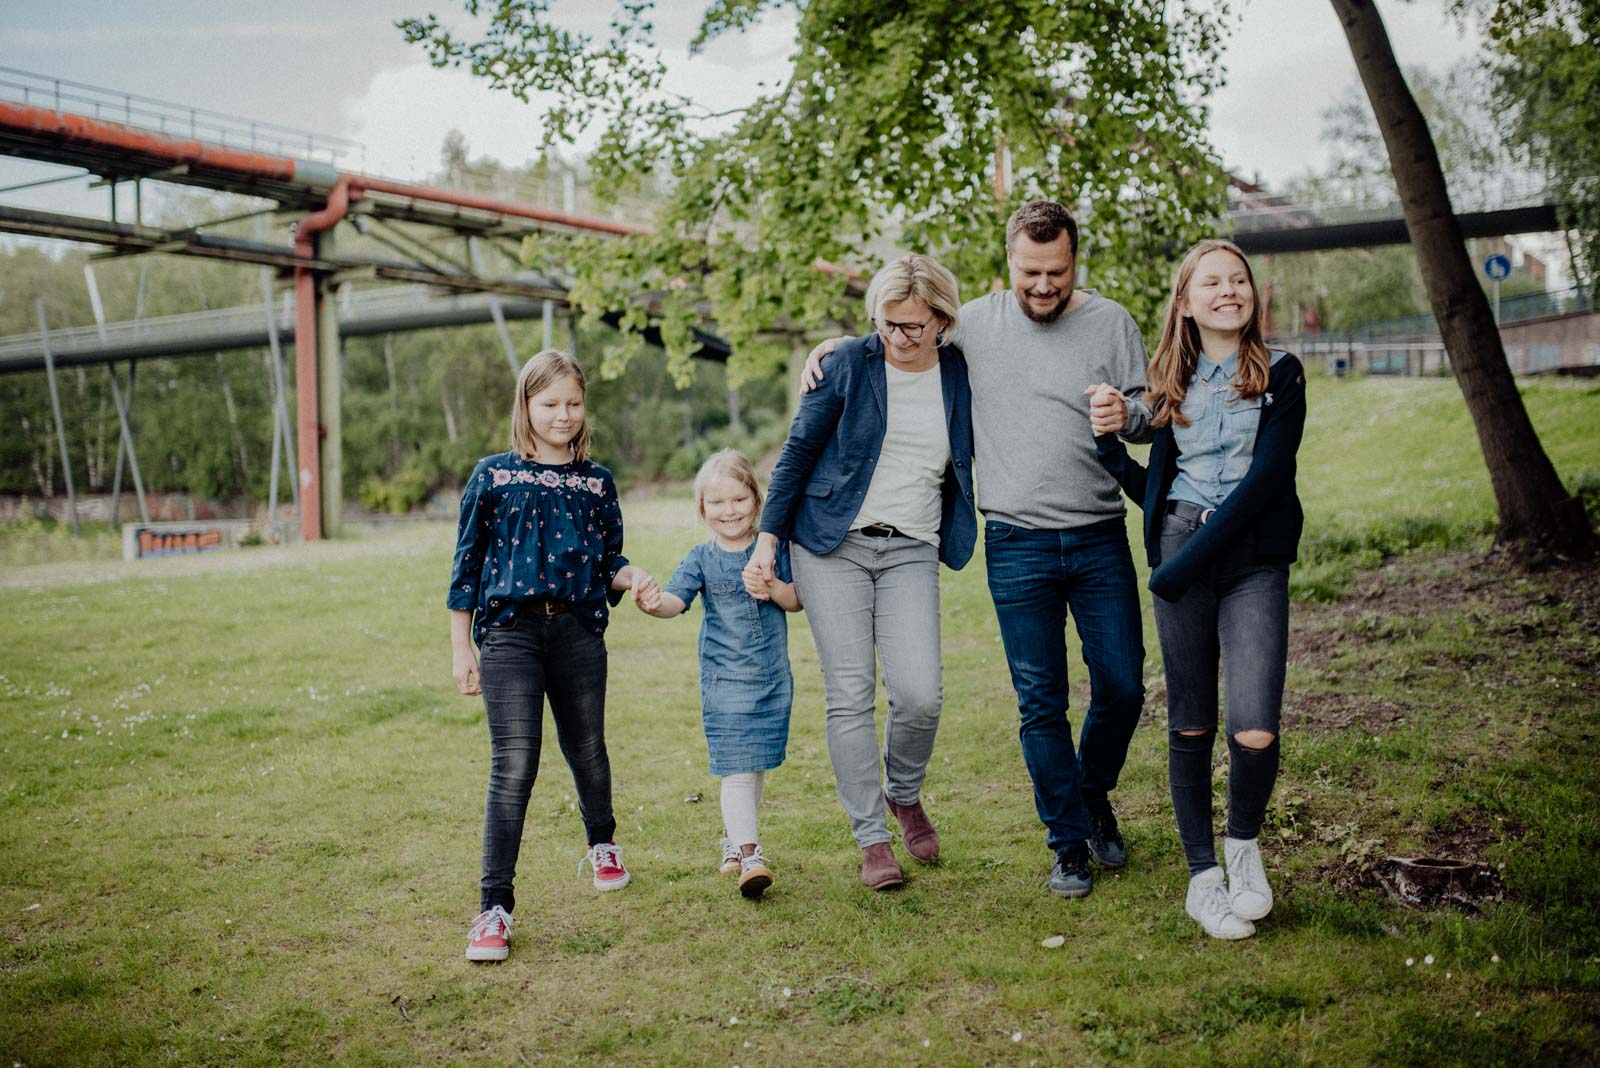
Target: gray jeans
x,y
1238,614
875,593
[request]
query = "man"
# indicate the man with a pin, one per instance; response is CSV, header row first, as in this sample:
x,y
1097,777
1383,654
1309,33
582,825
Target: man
x,y
1055,537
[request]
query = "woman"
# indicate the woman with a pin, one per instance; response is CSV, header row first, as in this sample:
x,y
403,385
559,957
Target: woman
x,y
874,488
1221,527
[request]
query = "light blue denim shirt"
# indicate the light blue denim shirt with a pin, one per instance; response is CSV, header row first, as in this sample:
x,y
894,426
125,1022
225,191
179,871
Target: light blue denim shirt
x,y
1214,450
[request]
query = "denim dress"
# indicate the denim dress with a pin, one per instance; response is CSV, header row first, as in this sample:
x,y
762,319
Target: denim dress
x,y
745,686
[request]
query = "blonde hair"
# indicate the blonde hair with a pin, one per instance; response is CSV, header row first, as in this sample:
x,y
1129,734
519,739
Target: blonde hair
x,y
729,463
916,276
537,375
1178,351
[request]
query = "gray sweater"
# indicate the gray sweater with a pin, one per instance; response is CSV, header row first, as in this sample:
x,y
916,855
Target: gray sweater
x,y
1034,452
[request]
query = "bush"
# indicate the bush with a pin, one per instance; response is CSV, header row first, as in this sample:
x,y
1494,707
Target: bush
x,y
397,495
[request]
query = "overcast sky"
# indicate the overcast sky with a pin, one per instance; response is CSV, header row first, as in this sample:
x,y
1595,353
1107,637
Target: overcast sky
x,y
342,68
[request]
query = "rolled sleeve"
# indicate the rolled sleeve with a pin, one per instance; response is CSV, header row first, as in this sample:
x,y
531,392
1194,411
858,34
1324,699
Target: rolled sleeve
x,y
688,580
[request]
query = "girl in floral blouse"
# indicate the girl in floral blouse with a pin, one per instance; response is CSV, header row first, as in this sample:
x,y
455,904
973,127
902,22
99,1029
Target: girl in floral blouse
x,y
538,559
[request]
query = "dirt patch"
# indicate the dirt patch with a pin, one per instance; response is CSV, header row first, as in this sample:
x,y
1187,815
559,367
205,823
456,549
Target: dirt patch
x,y
1512,605
1325,713
1450,869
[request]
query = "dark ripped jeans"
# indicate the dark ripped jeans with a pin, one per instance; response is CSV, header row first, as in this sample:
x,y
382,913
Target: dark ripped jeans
x,y
1237,614
540,656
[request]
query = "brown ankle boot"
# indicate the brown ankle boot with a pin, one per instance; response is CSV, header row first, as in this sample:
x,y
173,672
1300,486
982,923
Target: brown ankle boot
x,y
879,869
922,841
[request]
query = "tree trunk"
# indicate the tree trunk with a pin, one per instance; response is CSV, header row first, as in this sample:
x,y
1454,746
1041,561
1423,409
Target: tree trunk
x,y
1537,515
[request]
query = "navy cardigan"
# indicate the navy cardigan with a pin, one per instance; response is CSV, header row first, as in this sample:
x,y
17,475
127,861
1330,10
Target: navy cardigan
x,y
834,442
1263,503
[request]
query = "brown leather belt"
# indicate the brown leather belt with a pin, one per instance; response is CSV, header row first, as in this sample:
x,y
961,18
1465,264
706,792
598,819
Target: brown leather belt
x,y
544,606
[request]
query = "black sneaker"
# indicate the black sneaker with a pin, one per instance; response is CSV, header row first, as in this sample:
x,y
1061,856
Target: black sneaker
x,y
1070,876
1105,841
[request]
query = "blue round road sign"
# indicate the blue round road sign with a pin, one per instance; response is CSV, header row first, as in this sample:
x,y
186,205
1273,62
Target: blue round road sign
x,y
1497,267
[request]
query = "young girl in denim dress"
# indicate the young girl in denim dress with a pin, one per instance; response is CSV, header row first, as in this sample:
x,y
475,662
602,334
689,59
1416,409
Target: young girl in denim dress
x,y
538,559
745,686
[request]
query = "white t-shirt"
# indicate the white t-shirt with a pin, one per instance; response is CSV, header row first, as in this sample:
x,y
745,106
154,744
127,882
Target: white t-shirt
x,y
906,491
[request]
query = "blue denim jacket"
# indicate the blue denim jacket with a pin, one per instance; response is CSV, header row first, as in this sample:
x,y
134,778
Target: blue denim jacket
x,y
832,451
1214,450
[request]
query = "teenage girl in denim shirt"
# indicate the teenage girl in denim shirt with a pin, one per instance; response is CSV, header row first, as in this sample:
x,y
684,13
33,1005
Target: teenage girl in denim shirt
x,y
746,689
538,558
1221,523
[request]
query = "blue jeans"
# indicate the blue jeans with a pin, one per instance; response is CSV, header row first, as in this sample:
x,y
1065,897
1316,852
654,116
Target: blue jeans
x,y
1036,578
540,656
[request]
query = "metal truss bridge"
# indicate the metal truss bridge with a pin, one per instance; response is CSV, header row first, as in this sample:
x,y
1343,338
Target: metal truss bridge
x,y
120,139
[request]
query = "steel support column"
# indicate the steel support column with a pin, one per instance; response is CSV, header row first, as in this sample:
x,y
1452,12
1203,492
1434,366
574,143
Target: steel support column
x,y
55,409
330,400
308,429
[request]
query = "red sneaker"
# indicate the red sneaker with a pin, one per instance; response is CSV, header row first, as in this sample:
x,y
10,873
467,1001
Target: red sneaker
x,y
606,860
491,935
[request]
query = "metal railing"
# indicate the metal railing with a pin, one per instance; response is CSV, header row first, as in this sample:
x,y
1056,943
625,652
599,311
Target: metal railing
x,y
176,120
1255,213
1515,309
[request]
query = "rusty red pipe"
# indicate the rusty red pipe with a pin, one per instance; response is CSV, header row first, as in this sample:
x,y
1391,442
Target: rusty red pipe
x,y
309,428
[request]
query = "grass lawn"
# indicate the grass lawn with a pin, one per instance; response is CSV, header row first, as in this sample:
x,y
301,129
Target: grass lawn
x,y
240,819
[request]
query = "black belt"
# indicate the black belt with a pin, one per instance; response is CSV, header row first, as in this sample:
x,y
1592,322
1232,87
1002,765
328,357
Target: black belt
x,y
881,530
544,606
1192,512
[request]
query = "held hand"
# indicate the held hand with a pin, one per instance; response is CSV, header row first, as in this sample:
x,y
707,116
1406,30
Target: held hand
x,y
760,569
645,589
812,373
648,600
754,584
1108,408
464,666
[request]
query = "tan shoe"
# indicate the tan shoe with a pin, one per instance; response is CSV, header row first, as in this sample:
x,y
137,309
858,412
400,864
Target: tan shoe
x,y
879,869
754,875
922,841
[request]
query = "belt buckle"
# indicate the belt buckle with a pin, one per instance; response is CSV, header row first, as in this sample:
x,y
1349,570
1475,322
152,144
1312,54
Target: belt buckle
x,y
549,607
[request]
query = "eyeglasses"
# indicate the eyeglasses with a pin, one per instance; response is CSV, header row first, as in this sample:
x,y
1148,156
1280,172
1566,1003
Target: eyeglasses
x,y
909,331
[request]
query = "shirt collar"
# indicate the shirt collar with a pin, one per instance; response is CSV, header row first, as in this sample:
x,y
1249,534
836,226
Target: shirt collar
x,y
1206,367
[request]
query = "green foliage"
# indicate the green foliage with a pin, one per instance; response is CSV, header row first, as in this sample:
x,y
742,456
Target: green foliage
x,y
886,130
1547,78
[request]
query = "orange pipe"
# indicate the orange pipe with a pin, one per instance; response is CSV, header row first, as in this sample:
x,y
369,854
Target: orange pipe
x,y
80,129
435,195
307,387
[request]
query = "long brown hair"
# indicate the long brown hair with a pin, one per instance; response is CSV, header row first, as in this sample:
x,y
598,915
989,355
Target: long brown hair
x,y
1178,351
537,375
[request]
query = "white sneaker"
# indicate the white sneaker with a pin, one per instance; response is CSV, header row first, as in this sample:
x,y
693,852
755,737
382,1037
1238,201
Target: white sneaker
x,y
1248,890
1207,902
730,857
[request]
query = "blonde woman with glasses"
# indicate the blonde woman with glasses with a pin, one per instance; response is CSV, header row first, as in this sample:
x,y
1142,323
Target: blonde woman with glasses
x,y
873,489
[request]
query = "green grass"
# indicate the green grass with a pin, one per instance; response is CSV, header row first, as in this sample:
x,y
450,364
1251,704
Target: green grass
x,y
240,813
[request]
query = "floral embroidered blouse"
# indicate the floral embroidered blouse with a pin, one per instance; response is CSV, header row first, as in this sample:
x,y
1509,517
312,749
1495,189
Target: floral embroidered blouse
x,y
537,531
